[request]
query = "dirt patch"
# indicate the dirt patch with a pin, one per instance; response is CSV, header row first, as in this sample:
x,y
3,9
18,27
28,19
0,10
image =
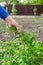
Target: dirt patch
x,y
28,23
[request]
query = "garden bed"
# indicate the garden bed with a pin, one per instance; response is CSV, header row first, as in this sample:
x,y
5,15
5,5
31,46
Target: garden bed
x,y
33,23
23,48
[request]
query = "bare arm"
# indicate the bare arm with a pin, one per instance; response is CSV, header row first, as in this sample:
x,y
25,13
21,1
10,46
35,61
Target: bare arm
x,y
5,16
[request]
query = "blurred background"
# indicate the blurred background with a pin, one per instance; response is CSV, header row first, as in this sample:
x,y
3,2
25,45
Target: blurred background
x,y
23,7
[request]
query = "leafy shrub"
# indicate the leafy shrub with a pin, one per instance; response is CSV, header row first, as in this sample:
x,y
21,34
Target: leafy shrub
x,y
24,50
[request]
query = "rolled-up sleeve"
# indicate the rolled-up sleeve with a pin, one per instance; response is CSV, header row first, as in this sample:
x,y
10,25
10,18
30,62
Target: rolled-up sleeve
x,y
3,13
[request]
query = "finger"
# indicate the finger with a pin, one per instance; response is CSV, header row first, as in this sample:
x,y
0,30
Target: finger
x,y
19,29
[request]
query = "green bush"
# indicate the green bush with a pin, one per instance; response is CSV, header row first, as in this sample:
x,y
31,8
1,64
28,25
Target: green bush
x,y
24,50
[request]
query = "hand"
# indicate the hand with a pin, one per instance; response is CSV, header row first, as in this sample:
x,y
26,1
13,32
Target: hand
x,y
18,27
12,22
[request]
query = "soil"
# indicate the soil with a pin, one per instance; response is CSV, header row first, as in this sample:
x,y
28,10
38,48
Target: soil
x,y
33,23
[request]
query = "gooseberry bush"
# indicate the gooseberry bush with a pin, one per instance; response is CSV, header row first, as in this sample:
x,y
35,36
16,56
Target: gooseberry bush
x,y
23,50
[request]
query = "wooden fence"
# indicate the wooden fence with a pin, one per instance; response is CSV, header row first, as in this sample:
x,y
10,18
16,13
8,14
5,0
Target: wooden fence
x,y
26,9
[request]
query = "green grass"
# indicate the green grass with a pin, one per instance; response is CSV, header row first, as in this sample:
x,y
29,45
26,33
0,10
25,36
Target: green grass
x,y
24,50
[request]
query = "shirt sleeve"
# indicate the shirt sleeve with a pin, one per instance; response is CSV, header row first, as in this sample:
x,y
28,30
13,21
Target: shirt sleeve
x,y
3,13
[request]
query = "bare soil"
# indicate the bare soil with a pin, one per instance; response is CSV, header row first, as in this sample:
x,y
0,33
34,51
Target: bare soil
x,y
33,23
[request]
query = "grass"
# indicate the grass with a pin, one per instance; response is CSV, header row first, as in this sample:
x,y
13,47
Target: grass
x,y
24,49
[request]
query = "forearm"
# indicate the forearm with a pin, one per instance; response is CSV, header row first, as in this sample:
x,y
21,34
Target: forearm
x,y
5,16
11,21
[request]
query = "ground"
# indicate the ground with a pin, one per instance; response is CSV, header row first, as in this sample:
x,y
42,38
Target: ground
x,y
34,23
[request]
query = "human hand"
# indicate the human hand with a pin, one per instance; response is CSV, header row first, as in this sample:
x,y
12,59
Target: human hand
x,y
12,22
17,26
